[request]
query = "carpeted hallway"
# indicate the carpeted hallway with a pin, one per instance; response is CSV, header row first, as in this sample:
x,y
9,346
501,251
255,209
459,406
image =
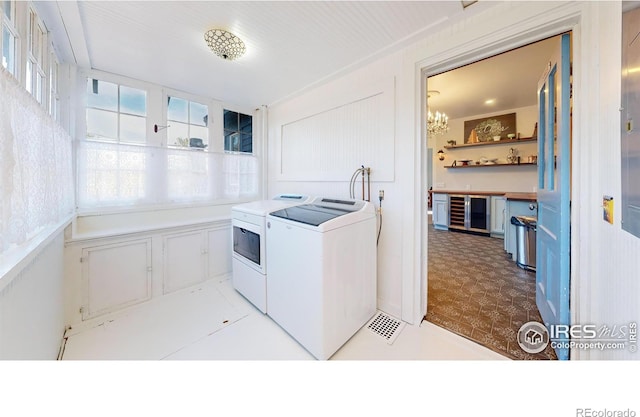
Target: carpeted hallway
x,y
478,292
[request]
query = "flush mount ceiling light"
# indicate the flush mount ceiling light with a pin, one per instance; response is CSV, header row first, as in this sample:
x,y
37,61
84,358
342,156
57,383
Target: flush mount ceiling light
x,y
225,44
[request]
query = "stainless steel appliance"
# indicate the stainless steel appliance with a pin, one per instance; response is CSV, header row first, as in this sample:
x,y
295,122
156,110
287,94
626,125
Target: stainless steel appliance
x,y
470,213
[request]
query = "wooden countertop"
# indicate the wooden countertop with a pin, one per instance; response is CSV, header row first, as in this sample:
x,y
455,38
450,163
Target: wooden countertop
x,y
521,196
470,192
508,195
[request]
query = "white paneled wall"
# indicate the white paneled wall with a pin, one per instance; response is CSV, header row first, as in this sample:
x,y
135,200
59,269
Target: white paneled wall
x,y
31,306
329,145
317,141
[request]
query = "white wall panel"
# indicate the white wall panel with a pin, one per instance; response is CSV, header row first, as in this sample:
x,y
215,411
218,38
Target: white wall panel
x,y
368,100
332,143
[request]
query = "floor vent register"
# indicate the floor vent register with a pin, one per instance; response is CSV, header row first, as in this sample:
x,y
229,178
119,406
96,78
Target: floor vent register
x,y
385,326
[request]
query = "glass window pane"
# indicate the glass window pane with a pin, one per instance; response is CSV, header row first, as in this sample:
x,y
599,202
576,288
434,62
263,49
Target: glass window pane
x,y
102,125
178,110
29,77
230,120
246,143
246,123
8,50
232,141
178,134
8,9
198,114
133,129
133,101
200,132
102,95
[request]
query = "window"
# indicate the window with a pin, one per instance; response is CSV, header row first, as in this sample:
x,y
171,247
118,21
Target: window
x,y
9,36
116,113
35,78
238,132
188,123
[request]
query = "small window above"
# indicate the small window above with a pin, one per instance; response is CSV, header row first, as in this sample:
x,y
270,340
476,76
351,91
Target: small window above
x,y
188,123
116,112
238,132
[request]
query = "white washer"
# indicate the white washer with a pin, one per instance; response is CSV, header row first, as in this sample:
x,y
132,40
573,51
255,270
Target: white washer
x,y
249,260
322,271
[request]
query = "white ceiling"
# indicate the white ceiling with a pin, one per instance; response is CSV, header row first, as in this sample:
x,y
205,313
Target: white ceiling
x,y
510,79
291,45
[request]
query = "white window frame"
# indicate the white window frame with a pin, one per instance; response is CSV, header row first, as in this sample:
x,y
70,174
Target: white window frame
x,y
118,112
54,97
253,127
189,99
36,70
12,27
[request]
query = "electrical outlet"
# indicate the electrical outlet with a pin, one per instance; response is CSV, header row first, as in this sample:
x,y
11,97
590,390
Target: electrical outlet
x,y
439,184
381,195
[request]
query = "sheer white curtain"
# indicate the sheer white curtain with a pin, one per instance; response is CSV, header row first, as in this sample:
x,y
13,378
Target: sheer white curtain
x,y
115,174
36,174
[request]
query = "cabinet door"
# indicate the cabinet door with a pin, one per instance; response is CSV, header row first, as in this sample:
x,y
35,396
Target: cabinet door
x,y
440,211
219,248
115,276
498,213
184,260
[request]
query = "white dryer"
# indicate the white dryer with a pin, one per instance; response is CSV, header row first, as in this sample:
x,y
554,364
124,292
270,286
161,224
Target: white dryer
x,y
249,261
322,271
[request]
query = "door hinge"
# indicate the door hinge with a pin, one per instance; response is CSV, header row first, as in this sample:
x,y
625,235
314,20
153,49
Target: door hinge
x,y
82,259
81,310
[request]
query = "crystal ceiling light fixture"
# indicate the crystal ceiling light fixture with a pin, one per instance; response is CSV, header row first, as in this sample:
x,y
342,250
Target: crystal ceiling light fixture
x,y
225,44
437,123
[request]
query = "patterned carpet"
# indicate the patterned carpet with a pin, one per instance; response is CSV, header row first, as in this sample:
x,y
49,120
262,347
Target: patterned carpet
x,y
478,292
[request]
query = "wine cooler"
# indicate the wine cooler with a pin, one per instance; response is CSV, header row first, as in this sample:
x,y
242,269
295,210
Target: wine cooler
x,y
470,213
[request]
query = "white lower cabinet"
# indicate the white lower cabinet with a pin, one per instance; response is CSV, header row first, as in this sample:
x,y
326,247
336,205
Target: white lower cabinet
x,y
108,273
219,251
115,276
440,213
498,215
184,259
192,257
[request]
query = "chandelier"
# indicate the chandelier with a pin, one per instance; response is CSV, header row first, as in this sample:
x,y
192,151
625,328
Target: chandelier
x,y
437,124
225,44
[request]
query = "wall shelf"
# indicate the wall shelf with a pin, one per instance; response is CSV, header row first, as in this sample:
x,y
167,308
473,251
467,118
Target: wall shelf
x,y
498,142
492,165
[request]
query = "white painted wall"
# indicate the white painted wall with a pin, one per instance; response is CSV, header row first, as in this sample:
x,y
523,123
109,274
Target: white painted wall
x,y
604,258
31,304
332,180
517,178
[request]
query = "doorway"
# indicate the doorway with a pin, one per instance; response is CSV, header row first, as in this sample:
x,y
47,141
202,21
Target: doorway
x,y
485,297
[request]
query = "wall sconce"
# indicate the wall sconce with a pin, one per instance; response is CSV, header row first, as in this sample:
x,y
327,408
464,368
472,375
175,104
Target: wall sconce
x,y
441,155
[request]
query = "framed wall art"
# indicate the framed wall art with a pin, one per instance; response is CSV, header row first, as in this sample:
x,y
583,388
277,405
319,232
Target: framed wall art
x,y
489,128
